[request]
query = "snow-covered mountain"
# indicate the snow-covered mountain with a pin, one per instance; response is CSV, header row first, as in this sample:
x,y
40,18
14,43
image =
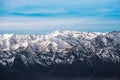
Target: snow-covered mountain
x,y
59,47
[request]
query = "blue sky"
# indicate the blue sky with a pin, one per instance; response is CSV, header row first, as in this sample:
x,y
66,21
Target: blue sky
x,y
44,16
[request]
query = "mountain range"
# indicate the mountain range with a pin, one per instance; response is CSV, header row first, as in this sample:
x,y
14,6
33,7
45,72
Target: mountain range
x,y
61,52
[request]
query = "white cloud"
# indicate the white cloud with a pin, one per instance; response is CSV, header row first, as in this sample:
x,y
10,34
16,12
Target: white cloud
x,y
21,23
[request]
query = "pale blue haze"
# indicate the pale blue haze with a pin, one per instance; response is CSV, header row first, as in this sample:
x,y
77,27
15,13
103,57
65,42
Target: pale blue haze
x,y
45,16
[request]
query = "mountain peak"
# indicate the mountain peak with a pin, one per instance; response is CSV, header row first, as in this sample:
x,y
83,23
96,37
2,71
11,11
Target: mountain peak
x,y
59,47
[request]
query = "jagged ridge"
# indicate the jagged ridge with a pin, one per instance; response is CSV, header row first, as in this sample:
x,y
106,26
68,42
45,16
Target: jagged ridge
x,y
59,47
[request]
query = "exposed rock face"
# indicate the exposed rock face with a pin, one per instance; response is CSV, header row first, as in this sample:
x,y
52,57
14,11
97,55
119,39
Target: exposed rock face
x,y
60,48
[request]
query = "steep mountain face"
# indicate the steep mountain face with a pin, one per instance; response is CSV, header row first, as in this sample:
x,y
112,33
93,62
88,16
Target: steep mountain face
x,y
59,47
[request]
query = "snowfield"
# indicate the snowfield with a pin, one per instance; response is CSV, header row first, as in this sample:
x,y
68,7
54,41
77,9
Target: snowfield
x,y
59,47
60,53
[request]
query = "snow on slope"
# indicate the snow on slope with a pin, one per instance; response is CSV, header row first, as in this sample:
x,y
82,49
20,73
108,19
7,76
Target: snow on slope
x,y
59,47
12,42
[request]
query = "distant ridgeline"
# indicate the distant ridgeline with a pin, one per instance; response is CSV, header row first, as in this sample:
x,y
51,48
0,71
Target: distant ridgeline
x,y
61,53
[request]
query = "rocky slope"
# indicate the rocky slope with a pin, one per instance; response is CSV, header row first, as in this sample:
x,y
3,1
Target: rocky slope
x,y
60,48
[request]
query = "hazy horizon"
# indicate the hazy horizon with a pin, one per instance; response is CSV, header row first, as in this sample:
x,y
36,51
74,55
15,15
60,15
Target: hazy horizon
x,y
41,17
